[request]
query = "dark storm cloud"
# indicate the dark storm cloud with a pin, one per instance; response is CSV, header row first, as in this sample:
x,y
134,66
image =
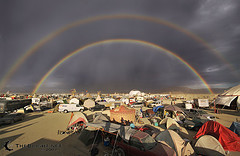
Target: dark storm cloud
x,y
118,65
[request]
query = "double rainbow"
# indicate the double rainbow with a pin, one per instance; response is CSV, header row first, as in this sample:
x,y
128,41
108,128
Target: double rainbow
x,y
152,45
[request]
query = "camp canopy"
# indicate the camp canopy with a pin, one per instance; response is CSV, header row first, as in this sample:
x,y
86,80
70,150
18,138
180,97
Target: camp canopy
x,y
208,145
175,142
228,139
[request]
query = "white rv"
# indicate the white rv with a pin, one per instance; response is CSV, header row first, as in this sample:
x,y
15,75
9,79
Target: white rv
x,y
70,108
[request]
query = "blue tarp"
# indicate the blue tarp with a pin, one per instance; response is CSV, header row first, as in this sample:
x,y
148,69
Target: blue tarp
x,y
235,127
156,108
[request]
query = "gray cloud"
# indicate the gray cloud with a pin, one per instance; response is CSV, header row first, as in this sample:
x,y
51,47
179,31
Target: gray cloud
x,y
119,66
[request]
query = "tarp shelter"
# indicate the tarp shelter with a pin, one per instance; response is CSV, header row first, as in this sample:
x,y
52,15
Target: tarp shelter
x,y
106,126
122,113
76,118
99,117
230,98
173,108
227,138
89,103
208,145
155,109
175,142
87,136
235,127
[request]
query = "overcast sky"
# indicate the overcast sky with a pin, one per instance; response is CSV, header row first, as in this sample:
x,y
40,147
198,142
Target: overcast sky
x,y
120,66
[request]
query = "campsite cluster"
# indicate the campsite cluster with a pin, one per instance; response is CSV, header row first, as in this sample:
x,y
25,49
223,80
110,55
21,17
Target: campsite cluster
x,y
135,123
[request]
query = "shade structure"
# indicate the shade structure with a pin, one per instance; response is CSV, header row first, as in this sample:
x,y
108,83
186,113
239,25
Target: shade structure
x,y
122,113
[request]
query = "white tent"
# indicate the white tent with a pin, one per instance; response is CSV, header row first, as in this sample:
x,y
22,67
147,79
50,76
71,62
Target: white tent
x,y
230,98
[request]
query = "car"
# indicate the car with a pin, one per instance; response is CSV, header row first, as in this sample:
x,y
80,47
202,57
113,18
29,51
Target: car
x,y
141,143
195,123
155,104
11,118
97,107
137,104
199,113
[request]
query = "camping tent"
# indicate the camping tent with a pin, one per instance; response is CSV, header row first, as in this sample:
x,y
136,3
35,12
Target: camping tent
x,y
89,103
76,118
230,98
175,142
208,145
235,127
74,101
169,123
228,139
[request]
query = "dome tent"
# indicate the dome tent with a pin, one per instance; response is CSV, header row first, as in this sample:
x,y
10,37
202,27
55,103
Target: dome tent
x,y
230,98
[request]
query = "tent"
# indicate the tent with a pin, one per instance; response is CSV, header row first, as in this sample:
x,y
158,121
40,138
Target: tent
x,y
74,101
235,127
228,139
173,108
208,145
230,98
172,139
76,118
89,103
169,123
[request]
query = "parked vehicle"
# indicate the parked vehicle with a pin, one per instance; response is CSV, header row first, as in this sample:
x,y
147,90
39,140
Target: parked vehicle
x,y
155,104
97,107
11,105
11,118
70,108
137,104
199,113
141,143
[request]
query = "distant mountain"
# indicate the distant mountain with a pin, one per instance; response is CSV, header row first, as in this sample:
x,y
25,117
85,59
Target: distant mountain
x,y
182,90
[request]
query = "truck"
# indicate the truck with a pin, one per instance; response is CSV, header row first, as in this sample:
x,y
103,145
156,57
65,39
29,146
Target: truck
x,y
11,105
70,108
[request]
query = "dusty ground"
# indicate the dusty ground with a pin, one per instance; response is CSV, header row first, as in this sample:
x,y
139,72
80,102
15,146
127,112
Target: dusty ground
x,y
39,134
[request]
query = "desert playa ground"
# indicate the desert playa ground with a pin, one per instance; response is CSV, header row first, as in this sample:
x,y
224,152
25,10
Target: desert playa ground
x,y
38,134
